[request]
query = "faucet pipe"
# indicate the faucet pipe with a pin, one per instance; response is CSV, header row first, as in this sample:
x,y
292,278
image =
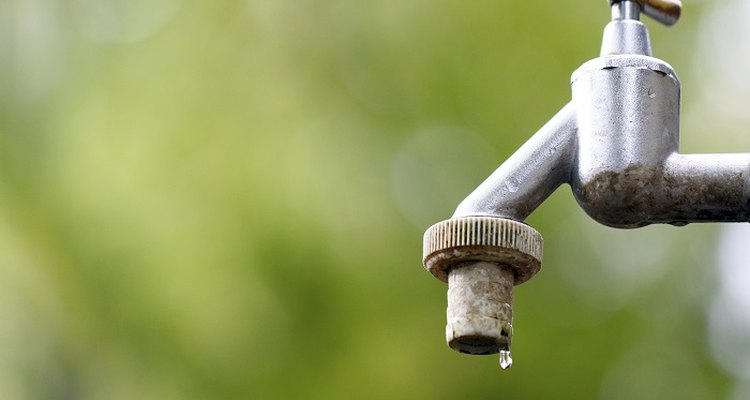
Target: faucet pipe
x,y
530,175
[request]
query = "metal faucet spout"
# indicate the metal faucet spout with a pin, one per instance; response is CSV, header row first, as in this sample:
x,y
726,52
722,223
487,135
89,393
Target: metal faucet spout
x,y
530,175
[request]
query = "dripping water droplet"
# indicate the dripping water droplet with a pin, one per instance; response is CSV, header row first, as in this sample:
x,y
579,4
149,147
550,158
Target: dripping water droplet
x,y
505,359
512,185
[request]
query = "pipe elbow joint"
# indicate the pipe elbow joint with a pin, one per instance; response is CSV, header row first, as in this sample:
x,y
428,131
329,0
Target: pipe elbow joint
x,y
677,191
627,198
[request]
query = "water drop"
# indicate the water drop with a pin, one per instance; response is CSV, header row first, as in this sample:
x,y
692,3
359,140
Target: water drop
x,y
651,93
512,185
505,359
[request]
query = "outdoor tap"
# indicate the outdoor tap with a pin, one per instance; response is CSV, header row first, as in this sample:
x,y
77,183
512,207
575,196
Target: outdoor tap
x,y
616,145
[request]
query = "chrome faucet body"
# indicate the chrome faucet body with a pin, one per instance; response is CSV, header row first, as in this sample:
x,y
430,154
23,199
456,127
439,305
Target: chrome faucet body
x,y
616,145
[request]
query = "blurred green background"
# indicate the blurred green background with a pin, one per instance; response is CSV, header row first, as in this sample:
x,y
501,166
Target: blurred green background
x,y
225,200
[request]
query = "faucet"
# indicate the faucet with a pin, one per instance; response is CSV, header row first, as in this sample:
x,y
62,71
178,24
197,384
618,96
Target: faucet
x,y
616,145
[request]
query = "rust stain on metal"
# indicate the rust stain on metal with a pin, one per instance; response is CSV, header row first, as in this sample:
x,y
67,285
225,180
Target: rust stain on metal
x,y
480,308
641,195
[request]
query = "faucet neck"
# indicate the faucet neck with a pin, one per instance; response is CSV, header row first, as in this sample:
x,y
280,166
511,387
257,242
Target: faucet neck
x,y
626,34
626,10
665,11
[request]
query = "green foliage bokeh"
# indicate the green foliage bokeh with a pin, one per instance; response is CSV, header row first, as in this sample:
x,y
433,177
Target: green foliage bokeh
x,y
225,199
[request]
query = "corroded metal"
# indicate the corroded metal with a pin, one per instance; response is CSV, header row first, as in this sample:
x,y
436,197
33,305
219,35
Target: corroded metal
x,y
480,308
616,144
489,239
641,195
481,258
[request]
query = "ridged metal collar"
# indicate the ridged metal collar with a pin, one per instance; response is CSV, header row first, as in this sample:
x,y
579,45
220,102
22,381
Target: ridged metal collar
x,y
459,240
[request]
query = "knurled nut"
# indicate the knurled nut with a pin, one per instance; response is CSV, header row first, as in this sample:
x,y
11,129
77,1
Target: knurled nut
x,y
492,239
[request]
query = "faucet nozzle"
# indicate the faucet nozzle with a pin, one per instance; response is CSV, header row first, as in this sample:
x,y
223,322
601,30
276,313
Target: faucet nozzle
x,y
481,258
